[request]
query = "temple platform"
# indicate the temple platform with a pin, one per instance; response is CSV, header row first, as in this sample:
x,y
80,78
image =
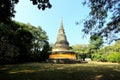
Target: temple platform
x,y
63,61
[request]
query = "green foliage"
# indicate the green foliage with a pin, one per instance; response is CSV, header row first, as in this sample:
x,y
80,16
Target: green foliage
x,y
114,57
42,4
7,8
108,53
113,48
96,42
24,42
100,12
20,42
116,46
81,50
95,45
45,53
99,57
8,51
40,45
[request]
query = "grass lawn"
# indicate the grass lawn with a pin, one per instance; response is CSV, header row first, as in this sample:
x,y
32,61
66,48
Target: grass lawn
x,y
47,71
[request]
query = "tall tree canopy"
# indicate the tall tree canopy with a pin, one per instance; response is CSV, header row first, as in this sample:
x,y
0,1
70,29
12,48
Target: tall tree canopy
x,y
7,8
96,42
113,48
17,40
22,43
98,22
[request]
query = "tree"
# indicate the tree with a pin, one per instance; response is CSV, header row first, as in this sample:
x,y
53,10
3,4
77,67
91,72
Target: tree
x,y
113,48
96,42
7,8
117,46
81,50
39,44
45,53
20,42
98,23
16,39
15,43
42,4
8,51
109,53
24,43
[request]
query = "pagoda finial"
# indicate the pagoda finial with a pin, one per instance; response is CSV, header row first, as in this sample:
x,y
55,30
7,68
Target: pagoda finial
x,y
61,24
61,33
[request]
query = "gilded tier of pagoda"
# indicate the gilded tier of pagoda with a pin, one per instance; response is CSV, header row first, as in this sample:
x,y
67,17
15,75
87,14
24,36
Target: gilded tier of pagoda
x,y
61,49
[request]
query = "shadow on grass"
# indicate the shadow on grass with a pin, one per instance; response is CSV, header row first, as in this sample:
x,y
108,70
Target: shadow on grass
x,y
38,71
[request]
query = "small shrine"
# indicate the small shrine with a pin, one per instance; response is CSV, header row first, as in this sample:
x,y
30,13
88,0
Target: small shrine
x,y
61,51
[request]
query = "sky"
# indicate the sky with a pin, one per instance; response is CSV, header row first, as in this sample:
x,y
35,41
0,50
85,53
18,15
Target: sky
x,y
69,11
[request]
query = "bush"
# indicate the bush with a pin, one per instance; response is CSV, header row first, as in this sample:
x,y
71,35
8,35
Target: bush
x,y
100,57
114,57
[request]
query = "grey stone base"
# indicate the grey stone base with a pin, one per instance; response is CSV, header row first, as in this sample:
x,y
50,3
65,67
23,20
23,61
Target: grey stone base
x,y
63,61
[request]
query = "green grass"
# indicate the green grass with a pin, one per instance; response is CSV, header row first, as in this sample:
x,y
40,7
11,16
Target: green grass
x,y
46,71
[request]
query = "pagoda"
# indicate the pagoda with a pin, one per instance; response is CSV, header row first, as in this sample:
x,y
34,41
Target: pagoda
x,y
61,50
